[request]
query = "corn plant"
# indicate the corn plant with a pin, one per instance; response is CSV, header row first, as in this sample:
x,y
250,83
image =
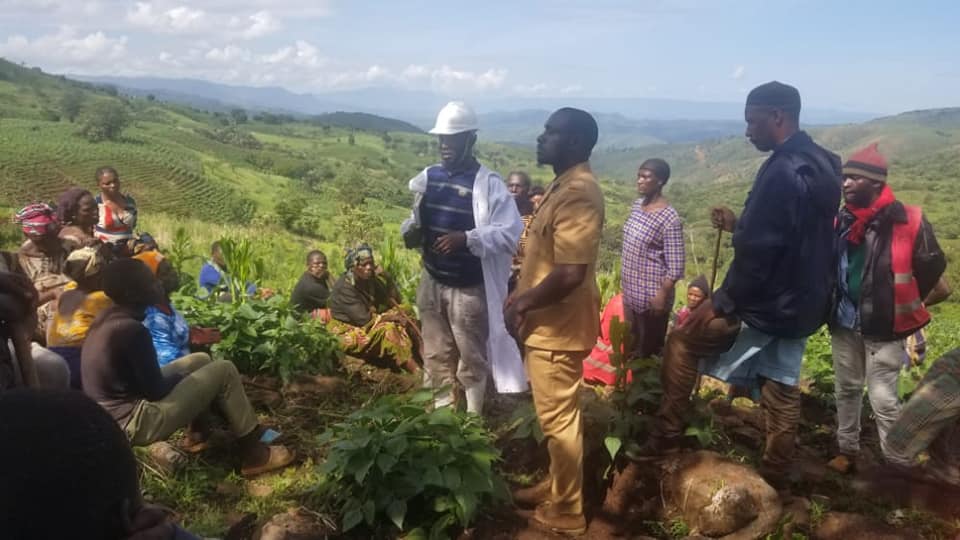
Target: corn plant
x,y
404,270
243,267
179,252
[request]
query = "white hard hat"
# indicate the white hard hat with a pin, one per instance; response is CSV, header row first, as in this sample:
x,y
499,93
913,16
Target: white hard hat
x,y
455,117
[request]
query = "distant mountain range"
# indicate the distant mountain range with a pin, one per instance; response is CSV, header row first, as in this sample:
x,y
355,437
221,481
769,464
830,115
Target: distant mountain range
x,y
624,122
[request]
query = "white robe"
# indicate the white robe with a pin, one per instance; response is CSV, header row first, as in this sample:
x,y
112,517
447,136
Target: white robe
x,y
494,241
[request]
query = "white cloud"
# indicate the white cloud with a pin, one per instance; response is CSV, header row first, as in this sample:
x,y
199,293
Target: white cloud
x,y
537,89
571,89
261,24
301,54
738,73
229,53
195,21
67,47
449,79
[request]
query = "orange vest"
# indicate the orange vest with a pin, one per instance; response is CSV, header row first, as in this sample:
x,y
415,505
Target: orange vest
x,y
909,311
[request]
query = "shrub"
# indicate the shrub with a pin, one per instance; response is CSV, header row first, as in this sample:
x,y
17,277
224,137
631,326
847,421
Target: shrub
x,y
265,336
394,464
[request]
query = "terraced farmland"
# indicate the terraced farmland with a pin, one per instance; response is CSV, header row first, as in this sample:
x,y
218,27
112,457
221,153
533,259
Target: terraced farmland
x,y
38,160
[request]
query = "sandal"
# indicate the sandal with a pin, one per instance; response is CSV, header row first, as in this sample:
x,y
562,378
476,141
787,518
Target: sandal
x,y
194,447
280,457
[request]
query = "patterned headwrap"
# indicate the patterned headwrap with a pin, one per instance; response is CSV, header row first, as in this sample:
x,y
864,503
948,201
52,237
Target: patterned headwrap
x,y
90,257
37,219
363,251
140,244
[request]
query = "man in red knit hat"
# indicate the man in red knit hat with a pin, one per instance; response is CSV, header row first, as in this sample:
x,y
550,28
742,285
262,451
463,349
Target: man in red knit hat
x,y
889,261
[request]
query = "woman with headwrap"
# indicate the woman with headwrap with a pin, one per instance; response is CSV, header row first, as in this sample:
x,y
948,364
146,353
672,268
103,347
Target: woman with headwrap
x,y
43,257
77,212
82,300
367,316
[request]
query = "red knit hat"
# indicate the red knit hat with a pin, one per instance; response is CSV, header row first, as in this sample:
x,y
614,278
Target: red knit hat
x,y
868,163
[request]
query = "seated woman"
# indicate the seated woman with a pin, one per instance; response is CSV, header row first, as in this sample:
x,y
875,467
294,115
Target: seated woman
x,y
42,258
82,300
168,328
121,373
597,368
22,362
368,326
313,289
77,213
117,211
697,291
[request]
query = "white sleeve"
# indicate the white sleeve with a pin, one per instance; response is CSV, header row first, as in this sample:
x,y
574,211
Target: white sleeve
x,y
502,232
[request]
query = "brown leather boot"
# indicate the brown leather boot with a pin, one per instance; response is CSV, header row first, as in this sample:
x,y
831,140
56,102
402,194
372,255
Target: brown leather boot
x,y
548,517
532,496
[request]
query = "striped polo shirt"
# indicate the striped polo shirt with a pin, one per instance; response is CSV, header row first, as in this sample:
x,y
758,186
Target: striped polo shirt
x,y
447,206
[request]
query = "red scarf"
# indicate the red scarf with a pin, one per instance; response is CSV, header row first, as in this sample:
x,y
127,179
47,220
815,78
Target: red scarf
x,y
864,215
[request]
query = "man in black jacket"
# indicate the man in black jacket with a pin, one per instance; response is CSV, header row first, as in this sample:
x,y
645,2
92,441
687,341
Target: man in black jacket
x,y
889,262
778,289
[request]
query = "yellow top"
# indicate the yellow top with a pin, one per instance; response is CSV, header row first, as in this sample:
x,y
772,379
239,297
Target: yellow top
x,y
71,330
565,229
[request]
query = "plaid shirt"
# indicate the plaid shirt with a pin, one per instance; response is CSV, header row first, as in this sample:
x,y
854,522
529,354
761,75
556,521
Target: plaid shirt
x,y
652,250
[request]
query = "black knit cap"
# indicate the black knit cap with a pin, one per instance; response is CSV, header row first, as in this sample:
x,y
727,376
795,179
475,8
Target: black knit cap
x,y
775,94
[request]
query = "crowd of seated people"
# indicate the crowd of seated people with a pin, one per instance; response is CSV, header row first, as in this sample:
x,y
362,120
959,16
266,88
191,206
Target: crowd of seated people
x,y
86,305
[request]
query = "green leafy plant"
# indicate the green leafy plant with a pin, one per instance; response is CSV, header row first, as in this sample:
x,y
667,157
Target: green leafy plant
x,y
524,423
265,335
179,253
641,393
401,268
393,465
704,431
243,266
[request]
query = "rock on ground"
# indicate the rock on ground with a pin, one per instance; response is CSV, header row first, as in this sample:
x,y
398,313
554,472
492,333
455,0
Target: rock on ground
x,y
294,524
718,497
844,526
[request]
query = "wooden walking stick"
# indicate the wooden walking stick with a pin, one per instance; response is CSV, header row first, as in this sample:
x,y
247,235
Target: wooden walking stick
x,y
713,286
716,261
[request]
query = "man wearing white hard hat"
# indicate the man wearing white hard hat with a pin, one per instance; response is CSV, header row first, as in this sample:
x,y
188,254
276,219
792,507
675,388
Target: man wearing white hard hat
x,y
467,226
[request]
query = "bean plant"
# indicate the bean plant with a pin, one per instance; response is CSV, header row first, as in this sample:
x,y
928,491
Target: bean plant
x,y
394,465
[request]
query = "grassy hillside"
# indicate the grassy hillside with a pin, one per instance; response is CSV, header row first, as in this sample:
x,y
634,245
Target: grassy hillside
x,y
923,147
186,162
298,177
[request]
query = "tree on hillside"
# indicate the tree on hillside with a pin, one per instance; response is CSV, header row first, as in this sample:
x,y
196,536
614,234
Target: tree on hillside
x,y
239,116
105,121
71,104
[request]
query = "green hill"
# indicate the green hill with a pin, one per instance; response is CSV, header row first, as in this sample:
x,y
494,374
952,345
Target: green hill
x,y
296,179
188,162
923,148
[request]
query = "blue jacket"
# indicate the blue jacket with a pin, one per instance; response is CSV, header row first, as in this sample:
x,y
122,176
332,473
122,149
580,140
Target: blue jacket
x,y
783,273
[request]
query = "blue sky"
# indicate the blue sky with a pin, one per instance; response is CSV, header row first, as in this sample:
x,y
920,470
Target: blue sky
x,y
881,56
